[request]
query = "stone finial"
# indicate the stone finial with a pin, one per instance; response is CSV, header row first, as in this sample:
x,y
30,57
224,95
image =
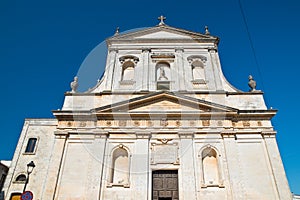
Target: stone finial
x,y
252,84
162,19
117,31
207,31
74,85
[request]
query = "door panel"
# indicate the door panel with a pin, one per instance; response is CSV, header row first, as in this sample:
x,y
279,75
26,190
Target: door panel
x,y
165,185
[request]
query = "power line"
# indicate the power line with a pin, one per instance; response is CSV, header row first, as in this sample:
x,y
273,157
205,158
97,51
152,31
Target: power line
x,y
251,44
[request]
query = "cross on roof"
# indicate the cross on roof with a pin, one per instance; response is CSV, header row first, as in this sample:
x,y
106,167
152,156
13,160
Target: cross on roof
x,y
162,19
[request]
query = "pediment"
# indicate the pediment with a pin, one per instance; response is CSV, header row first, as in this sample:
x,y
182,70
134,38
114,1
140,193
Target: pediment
x,y
162,33
164,102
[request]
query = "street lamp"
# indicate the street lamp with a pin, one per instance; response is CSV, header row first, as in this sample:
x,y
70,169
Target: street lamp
x,y
30,167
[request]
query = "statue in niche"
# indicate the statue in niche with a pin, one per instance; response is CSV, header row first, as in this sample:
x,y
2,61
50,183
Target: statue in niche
x,y
74,85
252,84
162,75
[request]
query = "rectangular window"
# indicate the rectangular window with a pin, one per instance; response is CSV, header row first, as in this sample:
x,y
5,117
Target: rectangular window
x,y
31,145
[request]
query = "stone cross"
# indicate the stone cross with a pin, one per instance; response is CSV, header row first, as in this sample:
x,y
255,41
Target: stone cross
x,y
162,19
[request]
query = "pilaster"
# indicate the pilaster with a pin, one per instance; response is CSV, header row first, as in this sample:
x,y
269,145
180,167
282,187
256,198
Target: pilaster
x,y
55,165
140,171
145,78
215,68
187,173
277,166
180,76
110,66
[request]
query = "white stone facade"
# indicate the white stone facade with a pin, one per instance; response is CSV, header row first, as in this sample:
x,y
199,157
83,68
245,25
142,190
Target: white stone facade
x,y
163,105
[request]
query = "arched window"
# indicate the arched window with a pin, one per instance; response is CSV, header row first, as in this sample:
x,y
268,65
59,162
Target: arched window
x,y
128,71
210,167
21,178
163,76
30,148
198,70
120,166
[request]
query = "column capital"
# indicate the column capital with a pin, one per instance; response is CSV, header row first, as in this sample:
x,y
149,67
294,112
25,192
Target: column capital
x,y
145,49
179,49
115,50
212,49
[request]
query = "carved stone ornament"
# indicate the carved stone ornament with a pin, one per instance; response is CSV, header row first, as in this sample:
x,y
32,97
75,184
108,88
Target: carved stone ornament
x,y
178,123
131,58
192,123
150,123
246,123
122,123
82,124
69,124
205,122
234,124
259,123
163,122
164,140
136,123
196,57
252,84
108,123
74,85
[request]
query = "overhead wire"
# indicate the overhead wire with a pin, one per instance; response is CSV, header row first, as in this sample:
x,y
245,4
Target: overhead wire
x,y
251,45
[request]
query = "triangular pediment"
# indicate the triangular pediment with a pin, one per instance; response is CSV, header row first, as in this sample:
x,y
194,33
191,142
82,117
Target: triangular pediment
x,y
162,33
164,102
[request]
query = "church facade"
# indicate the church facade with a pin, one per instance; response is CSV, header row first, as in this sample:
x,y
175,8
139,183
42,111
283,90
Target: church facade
x,y
163,123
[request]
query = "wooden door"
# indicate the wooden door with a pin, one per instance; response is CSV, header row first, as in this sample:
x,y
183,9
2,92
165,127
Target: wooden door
x,y
165,185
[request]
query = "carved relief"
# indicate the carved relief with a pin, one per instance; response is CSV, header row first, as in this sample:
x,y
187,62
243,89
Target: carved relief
x,y
205,122
234,124
192,123
122,123
82,124
246,123
150,123
220,123
178,123
108,123
69,124
136,123
259,123
163,122
164,140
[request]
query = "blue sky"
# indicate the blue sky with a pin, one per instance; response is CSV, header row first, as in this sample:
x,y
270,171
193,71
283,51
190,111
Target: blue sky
x,y
43,44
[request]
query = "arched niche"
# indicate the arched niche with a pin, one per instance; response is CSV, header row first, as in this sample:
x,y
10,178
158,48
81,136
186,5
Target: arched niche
x,y
128,71
163,75
211,175
120,166
198,70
